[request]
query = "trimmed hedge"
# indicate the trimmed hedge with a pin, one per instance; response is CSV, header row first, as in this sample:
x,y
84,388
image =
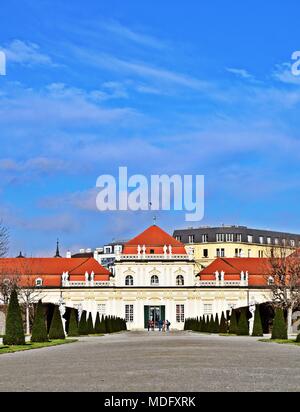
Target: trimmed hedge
x,y
90,325
233,326
83,326
39,328
279,330
243,327
223,324
14,332
257,325
73,324
56,329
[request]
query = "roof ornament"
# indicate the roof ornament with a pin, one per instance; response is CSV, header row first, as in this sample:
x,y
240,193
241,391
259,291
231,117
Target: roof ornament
x,y
20,256
57,255
154,220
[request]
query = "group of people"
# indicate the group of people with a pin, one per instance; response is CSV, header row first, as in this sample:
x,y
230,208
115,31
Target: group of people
x,y
163,325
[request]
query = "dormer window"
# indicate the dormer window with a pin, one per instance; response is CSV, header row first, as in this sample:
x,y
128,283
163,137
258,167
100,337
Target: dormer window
x,y
154,280
129,280
38,282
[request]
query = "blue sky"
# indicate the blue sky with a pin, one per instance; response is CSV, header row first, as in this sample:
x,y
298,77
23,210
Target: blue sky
x,y
160,87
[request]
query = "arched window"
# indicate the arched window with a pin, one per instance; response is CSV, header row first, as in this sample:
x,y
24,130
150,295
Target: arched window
x,y
38,282
180,280
154,280
129,280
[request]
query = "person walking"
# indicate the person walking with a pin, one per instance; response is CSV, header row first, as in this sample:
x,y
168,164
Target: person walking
x,y
160,325
168,325
149,325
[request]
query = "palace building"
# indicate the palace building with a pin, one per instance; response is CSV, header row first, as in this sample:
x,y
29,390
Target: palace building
x,y
155,278
228,241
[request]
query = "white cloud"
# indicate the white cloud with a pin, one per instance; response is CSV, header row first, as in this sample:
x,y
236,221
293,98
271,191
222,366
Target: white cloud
x,y
283,73
143,70
26,53
139,38
61,104
242,73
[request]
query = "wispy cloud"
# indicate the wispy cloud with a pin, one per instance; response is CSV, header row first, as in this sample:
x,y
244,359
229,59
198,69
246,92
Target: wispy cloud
x,y
283,73
61,104
114,27
141,69
26,53
242,73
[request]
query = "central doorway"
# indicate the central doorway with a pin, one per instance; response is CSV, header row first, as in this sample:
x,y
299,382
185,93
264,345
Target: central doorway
x,y
155,314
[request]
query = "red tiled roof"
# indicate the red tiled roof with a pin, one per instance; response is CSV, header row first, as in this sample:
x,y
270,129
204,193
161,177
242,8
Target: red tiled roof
x,y
257,269
51,269
154,238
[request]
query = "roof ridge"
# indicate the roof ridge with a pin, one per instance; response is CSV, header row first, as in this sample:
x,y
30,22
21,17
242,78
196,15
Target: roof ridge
x,y
82,263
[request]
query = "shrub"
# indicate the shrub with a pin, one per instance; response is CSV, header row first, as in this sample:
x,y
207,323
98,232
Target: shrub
x,y
98,328
279,330
39,329
257,325
73,324
223,324
90,325
233,322
56,329
83,327
103,325
243,327
216,324
14,332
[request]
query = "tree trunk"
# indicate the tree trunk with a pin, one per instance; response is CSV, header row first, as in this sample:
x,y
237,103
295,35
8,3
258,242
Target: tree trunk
x,y
27,321
289,321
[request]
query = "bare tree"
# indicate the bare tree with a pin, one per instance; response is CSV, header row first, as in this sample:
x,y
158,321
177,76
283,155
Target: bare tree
x,y
284,281
4,240
29,293
20,276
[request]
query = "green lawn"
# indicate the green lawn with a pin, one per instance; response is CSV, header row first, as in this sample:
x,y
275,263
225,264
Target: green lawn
x,y
281,341
29,345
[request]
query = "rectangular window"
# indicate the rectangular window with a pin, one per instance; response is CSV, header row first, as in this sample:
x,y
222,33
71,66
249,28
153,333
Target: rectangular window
x,y
249,252
205,253
229,237
250,238
178,238
180,313
292,243
221,252
204,238
220,237
102,310
207,308
269,240
191,238
129,313
239,237
284,242
261,240
276,241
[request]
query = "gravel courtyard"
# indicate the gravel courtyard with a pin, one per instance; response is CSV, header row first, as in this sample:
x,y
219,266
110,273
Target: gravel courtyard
x,y
152,362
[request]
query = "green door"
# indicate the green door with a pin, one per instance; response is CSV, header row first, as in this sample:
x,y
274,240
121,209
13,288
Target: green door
x,y
146,316
163,313
160,314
